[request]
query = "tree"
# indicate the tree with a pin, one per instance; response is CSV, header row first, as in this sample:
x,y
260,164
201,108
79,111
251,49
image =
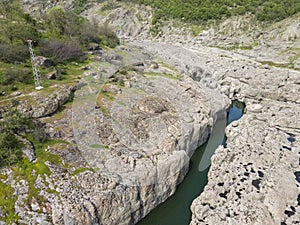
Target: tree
x,y
62,51
59,22
12,124
16,26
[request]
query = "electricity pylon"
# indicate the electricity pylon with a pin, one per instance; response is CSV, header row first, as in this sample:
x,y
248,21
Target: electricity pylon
x,y
36,74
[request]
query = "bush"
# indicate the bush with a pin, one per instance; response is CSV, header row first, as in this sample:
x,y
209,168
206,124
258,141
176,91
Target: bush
x,y
92,32
10,152
12,124
13,75
62,51
110,36
14,53
39,133
204,10
61,24
16,25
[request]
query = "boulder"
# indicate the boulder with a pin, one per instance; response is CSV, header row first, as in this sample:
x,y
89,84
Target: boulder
x,y
44,62
28,149
52,75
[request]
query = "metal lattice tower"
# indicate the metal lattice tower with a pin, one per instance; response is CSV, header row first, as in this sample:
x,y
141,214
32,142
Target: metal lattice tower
x,y
36,74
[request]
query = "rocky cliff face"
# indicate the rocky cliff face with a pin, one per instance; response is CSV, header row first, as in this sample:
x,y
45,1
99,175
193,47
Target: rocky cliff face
x,y
140,139
255,179
127,138
261,162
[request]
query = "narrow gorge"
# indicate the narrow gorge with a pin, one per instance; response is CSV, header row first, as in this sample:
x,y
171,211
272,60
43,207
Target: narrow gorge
x,y
124,134
176,209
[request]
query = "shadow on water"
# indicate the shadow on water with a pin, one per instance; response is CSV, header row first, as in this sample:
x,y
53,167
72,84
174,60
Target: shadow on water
x,y
176,209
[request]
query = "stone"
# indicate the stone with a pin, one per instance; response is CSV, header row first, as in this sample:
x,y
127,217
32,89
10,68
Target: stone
x,y
252,142
27,149
34,205
16,93
52,75
44,62
142,144
254,108
94,47
154,65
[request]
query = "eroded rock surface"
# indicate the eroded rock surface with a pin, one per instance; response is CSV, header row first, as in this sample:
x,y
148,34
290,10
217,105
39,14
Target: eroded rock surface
x,y
258,170
125,141
255,179
136,121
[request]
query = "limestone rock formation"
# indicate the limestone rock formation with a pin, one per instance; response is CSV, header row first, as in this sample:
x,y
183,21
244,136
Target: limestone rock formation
x,y
255,179
259,168
135,121
126,140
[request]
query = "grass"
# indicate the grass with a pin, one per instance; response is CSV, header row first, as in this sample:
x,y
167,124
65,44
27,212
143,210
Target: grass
x,y
280,65
81,170
107,95
165,75
196,30
72,72
246,47
2,176
29,171
102,98
99,146
168,66
7,204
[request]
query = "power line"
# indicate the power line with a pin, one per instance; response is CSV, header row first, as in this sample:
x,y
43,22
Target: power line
x,y
36,74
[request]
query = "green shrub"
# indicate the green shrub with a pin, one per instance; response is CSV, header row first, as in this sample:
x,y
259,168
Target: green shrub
x,y
110,36
92,32
12,124
10,152
13,75
59,22
62,51
80,6
202,11
16,27
14,53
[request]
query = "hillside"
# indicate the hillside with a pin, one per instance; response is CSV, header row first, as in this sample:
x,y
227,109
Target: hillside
x,y
202,11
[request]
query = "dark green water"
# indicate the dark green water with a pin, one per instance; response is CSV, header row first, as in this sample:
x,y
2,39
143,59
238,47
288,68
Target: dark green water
x,y
176,209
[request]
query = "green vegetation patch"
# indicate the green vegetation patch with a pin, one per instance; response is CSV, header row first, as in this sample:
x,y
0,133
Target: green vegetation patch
x,y
205,10
280,65
7,204
165,75
30,171
99,146
103,99
63,36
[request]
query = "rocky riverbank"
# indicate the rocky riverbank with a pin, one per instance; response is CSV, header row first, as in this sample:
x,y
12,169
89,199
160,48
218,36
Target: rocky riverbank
x,y
260,165
138,115
124,141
